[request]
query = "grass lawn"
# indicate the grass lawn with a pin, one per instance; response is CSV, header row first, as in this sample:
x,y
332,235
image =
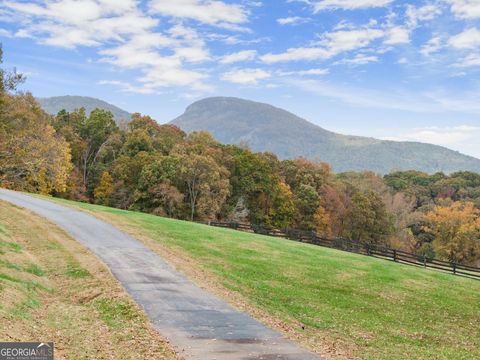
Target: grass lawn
x,y
340,304
53,289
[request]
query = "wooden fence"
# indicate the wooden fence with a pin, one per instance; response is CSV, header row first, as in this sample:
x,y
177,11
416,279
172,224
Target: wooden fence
x,y
383,252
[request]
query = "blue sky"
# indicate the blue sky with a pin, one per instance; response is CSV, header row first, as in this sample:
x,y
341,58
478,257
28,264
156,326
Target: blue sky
x,y
404,70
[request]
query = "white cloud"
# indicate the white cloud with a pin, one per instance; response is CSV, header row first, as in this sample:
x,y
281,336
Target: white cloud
x,y
142,52
5,33
296,54
127,87
313,72
347,37
69,23
206,11
125,37
445,136
465,9
349,4
244,55
427,12
188,44
432,46
341,41
468,39
400,34
167,76
360,59
235,39
330,44
469,61
292,20
397,35
246,76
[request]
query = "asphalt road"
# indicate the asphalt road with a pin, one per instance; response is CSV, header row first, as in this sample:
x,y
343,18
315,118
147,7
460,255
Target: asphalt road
x,y
198,324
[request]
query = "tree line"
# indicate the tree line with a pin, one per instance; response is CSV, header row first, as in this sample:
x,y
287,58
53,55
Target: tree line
x,y
160,169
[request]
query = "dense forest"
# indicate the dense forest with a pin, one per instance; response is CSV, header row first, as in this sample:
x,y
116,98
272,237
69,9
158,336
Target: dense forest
x,y
160,169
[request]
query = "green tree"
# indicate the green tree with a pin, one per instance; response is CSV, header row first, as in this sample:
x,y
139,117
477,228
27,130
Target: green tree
x,y
302,171
368,220
254,181
307,203
157,187
282,211
126,173
206,184
136,141
97,132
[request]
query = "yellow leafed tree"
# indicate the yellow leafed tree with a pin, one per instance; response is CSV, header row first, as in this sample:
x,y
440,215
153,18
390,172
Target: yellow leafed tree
x,y
32,156
322,222
104,189
456,231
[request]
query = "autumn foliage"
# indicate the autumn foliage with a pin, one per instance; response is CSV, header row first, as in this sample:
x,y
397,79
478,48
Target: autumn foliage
x,y
159,169
456,231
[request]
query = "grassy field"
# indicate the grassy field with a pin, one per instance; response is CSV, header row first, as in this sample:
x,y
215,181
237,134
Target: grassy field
x,y
53,289
340,304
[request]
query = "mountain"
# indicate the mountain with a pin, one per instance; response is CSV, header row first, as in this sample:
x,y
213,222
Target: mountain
x,y
267,128
53,105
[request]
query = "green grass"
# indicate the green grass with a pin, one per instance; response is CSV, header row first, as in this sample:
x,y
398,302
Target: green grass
x,y
34,269
367,307
10,245
28,288
75,271
115,313
3,229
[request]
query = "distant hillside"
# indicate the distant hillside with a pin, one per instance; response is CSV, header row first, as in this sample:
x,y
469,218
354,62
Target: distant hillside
x,y
53,105
267,128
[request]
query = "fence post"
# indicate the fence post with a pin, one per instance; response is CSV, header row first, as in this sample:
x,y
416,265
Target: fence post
x,y
367,248
209,222
424,260
454,265
394,254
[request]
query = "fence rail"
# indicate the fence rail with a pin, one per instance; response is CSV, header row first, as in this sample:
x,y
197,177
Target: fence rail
x,y
383,252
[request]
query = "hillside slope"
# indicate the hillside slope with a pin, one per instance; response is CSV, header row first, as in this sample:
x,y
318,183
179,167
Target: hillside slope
x,y
54,289
267,128
53,105
340,304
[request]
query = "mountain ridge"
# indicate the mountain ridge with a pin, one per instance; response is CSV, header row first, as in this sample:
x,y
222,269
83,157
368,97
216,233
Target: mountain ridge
x,y
268,128
265,127
52,105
